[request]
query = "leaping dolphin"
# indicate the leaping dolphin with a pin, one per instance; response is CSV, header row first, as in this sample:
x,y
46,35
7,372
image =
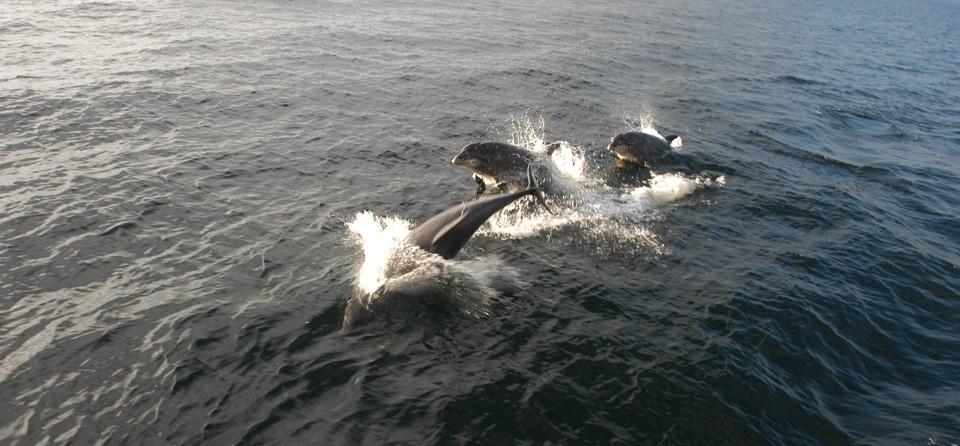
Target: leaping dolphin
x,y
502,164
447,232
640,147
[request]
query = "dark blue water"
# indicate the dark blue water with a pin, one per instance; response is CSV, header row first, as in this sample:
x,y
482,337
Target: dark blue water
x,y
191,192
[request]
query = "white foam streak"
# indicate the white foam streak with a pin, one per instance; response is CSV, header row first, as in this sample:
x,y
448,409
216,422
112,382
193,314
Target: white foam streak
x,y
667,188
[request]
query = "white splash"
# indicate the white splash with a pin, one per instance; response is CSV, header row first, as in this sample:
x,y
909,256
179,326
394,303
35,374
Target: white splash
x,y
669,187
380,239
528,132
393,267
571,162
567,163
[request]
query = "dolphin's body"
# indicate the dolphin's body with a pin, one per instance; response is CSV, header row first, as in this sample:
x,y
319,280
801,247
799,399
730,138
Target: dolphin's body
x,y
640,147
501,164
447,232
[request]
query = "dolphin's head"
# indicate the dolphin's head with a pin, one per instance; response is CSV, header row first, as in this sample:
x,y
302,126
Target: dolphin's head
x,y
621,143
493,159
469,157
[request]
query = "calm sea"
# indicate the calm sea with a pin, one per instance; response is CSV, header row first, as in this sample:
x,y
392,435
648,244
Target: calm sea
x,y
191,192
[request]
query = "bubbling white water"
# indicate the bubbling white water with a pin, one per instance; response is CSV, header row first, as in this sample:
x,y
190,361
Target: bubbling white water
x,y
394,269
601,215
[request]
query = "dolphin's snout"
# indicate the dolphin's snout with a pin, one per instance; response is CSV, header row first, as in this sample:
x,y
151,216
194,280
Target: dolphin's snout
x,y
465,161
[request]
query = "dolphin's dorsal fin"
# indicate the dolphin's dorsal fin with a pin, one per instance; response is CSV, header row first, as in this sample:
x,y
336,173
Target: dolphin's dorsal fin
x,y
674,140
534,189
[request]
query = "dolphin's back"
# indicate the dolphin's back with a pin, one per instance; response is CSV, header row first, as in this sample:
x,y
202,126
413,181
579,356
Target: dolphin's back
x,y
447,232
649,147
512,155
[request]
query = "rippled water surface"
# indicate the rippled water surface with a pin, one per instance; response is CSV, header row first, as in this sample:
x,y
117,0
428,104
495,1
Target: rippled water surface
x,y
192,192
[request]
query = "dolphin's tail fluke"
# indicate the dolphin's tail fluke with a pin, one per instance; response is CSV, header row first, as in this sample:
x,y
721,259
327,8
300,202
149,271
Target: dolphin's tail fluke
x,y
534,189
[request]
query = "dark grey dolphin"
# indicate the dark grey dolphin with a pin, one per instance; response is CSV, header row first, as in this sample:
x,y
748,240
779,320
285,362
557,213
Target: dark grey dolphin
x,y
501,164
447,232
640,147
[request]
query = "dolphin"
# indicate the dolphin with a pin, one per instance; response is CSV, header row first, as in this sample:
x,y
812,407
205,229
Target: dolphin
x,y
447,232
640,147
501,164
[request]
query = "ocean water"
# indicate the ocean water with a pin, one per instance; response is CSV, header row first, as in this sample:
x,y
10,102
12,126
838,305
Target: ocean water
x,y
192,192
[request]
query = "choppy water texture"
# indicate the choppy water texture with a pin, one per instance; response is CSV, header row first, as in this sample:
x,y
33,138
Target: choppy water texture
x,y
191,193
